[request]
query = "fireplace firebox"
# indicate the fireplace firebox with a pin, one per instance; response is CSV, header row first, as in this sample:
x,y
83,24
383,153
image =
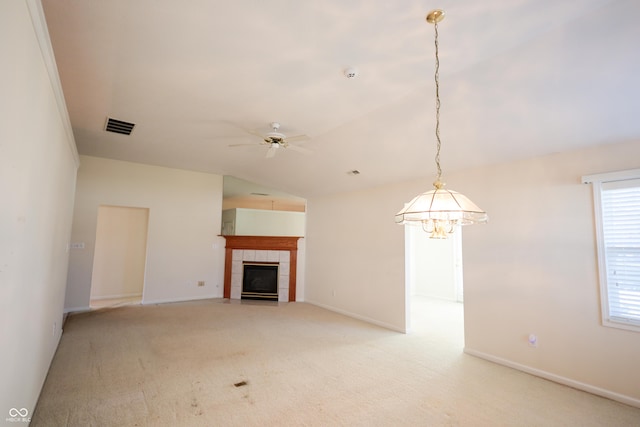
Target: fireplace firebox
x,y
260,281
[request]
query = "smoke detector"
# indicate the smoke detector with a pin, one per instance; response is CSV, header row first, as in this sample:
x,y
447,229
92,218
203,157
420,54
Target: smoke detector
x,y
350,73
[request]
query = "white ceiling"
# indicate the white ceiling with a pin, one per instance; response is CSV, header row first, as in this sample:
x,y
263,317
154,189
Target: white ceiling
x,y
519,78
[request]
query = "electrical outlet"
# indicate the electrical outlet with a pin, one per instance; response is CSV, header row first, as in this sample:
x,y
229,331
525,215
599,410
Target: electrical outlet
x,y
200,282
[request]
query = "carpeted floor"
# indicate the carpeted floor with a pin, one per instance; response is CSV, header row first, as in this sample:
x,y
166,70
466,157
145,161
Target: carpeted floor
x,y
216,363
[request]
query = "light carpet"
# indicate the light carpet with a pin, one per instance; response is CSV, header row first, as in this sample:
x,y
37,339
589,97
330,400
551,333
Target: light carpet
x,y
221,363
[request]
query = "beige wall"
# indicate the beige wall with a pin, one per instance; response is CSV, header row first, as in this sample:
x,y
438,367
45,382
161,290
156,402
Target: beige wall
x,y
355,256
183,246
258,222
37,178
531,269
269,204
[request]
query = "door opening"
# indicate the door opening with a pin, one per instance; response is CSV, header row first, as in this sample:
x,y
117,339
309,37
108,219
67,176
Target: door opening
x,y
119,257
433,271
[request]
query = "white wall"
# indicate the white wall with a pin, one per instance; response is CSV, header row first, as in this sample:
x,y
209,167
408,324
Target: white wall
x,y
183,246
259,222
531,269
38,165
355,256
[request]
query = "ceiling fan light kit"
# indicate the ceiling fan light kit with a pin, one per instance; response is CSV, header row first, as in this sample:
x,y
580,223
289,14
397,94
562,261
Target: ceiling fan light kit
x,y
439,211
274,136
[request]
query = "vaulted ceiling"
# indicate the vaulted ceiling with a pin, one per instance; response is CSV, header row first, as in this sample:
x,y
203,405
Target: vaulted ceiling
x,y
518,79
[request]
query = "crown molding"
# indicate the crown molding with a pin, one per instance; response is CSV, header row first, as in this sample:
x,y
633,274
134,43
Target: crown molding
x,y
42,34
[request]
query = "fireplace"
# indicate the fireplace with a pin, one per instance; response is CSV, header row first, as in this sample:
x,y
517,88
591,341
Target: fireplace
x,y
260,281
280,250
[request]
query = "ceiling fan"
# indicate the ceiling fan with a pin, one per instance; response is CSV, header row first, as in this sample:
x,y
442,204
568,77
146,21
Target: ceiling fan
x,y
276,140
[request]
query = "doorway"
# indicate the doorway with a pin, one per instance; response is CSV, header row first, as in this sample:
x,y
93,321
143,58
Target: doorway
x,y
434,276
119,257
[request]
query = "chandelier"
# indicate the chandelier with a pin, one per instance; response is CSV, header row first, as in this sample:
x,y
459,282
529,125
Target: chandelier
x,y
439,211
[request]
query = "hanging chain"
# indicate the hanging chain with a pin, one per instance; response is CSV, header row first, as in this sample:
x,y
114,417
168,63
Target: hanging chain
x,y
436,77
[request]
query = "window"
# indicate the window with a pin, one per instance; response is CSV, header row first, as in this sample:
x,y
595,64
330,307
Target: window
x,y
617,212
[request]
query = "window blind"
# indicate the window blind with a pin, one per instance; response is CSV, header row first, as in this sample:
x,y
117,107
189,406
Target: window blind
x,y
621,237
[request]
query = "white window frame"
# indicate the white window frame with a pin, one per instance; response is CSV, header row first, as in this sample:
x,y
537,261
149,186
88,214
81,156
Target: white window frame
x,y
597,180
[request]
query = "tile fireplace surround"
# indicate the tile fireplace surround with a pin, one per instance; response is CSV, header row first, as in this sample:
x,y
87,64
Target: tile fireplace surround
x,y
281,250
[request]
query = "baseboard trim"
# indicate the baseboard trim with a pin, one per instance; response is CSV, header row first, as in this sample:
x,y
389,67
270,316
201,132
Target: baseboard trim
x,y
184,299
357,316
628,400
117,296
76,309
53,355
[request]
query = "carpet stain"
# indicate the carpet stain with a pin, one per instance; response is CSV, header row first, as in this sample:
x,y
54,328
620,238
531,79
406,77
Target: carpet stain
x,y
194,404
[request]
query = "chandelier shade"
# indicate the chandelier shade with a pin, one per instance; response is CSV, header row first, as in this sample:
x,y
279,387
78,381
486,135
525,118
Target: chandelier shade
x,y
441,205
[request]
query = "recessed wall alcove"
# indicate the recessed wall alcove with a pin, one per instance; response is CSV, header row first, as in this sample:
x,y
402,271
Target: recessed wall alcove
x,y
267,248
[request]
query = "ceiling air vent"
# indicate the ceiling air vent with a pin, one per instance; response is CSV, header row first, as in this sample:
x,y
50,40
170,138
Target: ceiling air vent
x,y
118,126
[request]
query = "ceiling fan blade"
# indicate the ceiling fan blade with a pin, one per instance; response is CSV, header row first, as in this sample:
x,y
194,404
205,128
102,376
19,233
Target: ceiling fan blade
x,y
254,133
299,149
239,127
297,138
241,145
